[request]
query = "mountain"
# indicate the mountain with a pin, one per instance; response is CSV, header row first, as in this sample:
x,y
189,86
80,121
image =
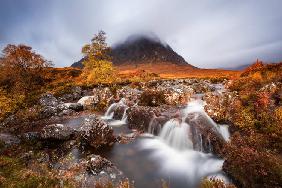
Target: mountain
x,y
141,49
239,67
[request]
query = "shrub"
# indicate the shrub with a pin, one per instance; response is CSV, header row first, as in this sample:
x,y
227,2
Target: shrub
x,y
250,164
214,183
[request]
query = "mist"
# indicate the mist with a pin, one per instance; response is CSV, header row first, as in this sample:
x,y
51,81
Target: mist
x,y
208,34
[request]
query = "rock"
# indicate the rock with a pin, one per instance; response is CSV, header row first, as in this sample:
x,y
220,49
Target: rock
x,y
56,132
205,135
130,94
9,139
119,111
175,92
88,101
88,172
73,106
30,136
75,94
48,100
48,111
157,123
96,164
103,94
96,133
53,107
139,117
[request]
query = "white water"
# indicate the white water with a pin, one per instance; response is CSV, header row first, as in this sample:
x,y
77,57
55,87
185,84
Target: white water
x,y
110,114
198,107
173,147
176,134
123,121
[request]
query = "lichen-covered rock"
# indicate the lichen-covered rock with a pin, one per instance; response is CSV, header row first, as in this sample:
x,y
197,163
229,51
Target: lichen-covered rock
x,y
58,132
96,164
90,171
103,96
73,106
130,94
88,101
48,100
139,117
175,92
96,133
30,136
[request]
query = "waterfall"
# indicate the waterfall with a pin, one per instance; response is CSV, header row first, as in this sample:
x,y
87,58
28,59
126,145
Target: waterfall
x,y
110,111
176,134
110,114
124,116
180,148
197,106
123,121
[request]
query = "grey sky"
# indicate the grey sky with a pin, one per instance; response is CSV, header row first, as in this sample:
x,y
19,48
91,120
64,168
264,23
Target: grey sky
x,y
207,33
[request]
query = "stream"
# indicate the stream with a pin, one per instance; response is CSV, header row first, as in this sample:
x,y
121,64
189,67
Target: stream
x,y
168,156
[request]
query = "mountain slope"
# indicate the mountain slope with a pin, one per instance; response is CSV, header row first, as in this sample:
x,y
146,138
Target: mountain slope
x,y
143,50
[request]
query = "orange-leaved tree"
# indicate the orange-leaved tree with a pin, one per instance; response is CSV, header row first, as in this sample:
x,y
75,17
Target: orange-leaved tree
x,y
97,60
22,73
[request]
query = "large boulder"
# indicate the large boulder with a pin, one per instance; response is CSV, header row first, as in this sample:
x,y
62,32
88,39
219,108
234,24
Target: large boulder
x,y
88,101
205,133
73,106
92,171
96,133
139,117
51,106
56,132
175,92
96,164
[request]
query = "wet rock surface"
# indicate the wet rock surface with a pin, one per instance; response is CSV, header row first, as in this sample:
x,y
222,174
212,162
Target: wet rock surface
x,y
205,135
9,139
56,132
139,117
96,133
96,164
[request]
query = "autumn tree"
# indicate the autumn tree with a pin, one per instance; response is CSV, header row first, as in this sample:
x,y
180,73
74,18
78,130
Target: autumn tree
x,y
21,69
97,60
22,75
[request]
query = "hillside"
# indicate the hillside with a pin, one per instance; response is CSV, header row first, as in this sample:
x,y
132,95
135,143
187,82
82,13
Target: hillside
x,y
142,49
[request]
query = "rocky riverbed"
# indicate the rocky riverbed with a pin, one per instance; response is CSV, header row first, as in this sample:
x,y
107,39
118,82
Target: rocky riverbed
x,y
161,130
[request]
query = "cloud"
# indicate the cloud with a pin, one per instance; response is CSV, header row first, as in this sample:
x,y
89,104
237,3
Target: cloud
x,y
210,34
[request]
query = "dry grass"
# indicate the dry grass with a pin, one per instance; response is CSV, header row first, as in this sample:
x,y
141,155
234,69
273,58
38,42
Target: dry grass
x,y
168,70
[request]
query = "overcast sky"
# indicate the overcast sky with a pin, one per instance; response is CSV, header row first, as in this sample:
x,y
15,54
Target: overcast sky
x,y
207,33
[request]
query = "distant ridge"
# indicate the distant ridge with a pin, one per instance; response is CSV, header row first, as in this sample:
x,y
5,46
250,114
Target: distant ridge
x,y
142,49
